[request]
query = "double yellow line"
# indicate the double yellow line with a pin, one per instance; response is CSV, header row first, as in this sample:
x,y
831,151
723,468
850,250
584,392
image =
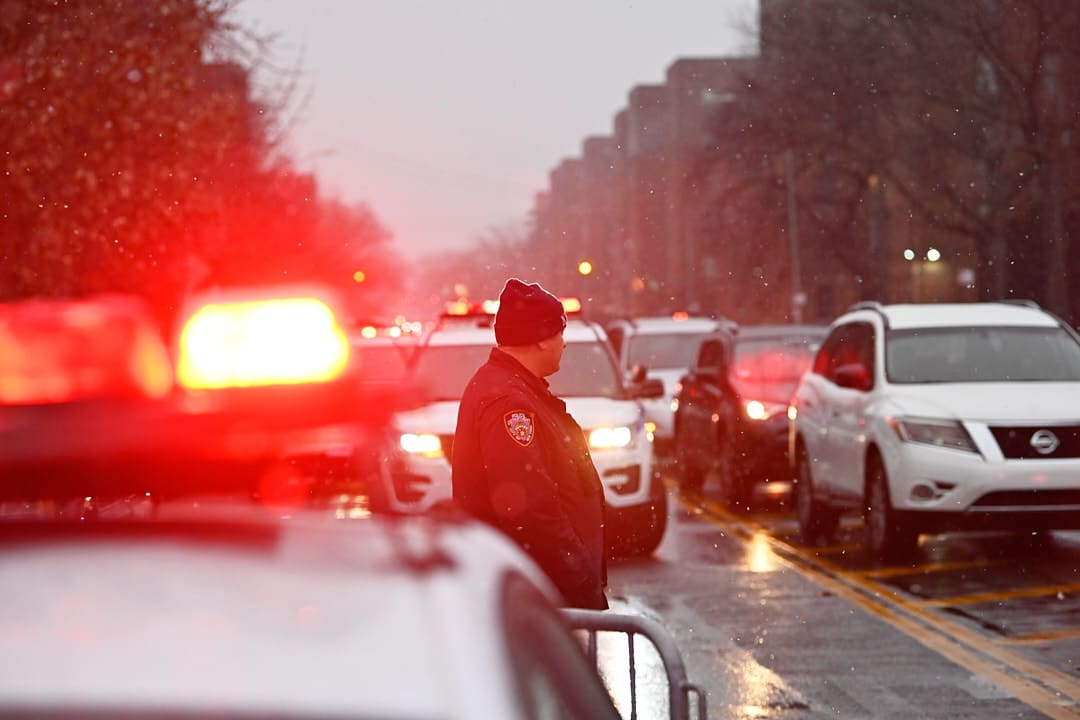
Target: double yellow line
x,y
1049,691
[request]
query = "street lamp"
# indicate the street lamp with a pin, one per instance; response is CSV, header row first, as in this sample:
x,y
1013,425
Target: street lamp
x,y
584,268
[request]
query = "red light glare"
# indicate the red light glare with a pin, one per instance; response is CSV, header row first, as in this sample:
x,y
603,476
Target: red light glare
x,y
680,316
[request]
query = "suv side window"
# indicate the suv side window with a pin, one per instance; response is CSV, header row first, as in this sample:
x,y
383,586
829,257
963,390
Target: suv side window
x,y
862,338
824,361
848,344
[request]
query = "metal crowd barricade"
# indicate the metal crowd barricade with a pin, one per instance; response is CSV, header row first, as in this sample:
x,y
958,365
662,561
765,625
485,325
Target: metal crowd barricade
x,y
679,687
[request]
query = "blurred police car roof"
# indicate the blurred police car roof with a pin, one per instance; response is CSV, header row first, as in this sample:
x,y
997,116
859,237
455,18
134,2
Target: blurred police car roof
x,y
241,613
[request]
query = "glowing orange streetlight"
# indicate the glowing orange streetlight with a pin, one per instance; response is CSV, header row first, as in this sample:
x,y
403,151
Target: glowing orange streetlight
x,y
359,276
584,268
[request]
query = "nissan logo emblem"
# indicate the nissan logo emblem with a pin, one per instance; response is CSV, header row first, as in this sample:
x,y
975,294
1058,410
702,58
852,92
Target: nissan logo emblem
x,y
1044,442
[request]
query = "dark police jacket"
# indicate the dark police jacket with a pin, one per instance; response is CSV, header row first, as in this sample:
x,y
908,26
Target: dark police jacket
x,y
522,464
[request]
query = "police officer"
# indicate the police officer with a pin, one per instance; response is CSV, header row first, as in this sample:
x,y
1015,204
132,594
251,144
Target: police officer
x,y
520,462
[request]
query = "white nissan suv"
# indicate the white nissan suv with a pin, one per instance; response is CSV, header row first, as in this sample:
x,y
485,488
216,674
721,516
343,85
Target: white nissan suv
x,y
936,418
608,410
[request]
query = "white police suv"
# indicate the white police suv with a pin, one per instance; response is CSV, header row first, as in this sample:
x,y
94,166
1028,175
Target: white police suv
x,y
663,347
936,418
609,411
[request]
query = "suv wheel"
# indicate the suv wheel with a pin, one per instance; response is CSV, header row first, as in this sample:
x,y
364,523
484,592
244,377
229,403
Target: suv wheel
x,y
890,538
656,519
816,518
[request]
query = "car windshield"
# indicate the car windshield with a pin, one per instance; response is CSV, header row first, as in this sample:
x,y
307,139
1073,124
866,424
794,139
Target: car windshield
x,y
664,351
981,354
443,371
768,368
586,370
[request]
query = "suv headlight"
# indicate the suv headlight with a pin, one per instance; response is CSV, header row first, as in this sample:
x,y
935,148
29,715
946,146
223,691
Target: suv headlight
x,y
758,410
930,431
425,444
610,437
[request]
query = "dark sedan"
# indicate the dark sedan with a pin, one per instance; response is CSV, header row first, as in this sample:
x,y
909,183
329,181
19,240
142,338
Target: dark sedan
x,y
731,407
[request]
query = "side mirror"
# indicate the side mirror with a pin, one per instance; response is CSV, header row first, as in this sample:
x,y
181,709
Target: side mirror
x,y
853,376
648,388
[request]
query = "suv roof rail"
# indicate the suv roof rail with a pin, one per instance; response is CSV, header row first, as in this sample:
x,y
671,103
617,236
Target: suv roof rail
x,y
874,306
867,305
1029,303
1025,302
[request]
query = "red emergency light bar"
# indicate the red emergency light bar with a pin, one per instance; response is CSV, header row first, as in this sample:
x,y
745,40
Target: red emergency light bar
x,y
89,402
56,351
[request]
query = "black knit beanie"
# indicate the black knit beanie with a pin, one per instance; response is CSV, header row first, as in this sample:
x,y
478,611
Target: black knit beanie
x,y
527,314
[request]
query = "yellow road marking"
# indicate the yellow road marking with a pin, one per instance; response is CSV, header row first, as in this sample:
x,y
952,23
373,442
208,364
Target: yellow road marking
x,y
1051,636
1051,692
834,549
928,568
998,596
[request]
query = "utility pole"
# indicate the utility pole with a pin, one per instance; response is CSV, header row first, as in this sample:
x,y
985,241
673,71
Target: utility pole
x,y
797,296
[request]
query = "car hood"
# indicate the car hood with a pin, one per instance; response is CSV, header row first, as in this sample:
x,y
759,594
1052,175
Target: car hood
x,y
441,418
603,412
1013,402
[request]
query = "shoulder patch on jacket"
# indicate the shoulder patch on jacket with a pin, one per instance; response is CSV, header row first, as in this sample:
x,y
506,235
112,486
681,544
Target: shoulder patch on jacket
x,y
521,427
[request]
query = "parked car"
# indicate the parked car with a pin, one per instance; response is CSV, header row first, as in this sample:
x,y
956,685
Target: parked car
x,y
938,418
730,409
661,347
608,410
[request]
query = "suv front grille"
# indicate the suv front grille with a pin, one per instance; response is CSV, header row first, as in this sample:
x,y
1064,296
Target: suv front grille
x,y
1016,442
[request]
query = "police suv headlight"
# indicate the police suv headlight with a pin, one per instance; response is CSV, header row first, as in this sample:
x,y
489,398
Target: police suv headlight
x,y
610,437
425,444
930,431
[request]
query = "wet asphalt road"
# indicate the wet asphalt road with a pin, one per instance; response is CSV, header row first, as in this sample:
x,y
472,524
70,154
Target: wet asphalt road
x,y
767,637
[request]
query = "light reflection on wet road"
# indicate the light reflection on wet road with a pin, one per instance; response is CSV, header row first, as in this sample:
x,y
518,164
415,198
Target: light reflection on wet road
x,y
766,640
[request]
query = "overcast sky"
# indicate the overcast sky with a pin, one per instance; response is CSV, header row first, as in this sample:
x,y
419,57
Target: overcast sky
x,y
446,116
